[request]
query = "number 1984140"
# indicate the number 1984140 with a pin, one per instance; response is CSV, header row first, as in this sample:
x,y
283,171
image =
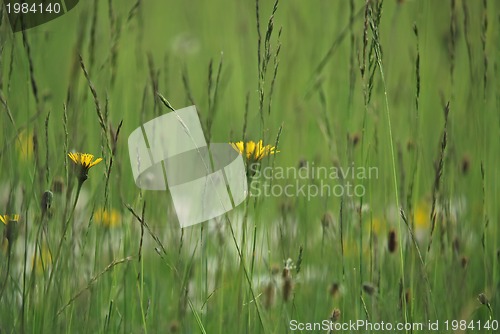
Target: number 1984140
x,y
32,8
471,325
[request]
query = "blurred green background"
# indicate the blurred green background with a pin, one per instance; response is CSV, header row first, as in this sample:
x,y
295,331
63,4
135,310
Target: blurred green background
x,y
316,104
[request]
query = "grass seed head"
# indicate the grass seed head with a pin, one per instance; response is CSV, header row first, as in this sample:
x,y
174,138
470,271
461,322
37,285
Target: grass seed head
x,y
285,273
464,261
334,289
174,327
286,208
456,245
287,288
392,241
408,296
58,185
327,220
299,259
355,138
269,294
335,316
404,297
465,164
46,201
302,163
483,299
410,145
369,288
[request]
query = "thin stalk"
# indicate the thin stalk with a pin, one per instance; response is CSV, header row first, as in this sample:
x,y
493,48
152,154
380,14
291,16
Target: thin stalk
x,y
393,165
65,229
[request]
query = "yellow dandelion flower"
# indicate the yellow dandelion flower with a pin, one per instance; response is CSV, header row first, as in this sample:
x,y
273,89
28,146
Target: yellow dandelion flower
x,y
24,144
84,161
422,221
6,219
254,151
352,249
379,226
108,219
10,231
43,260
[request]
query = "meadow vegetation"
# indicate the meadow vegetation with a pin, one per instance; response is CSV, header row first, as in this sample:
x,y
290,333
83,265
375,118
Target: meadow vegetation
x,y
407,88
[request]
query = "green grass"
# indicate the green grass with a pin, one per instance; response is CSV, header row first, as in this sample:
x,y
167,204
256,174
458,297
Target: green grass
x,y
312,100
